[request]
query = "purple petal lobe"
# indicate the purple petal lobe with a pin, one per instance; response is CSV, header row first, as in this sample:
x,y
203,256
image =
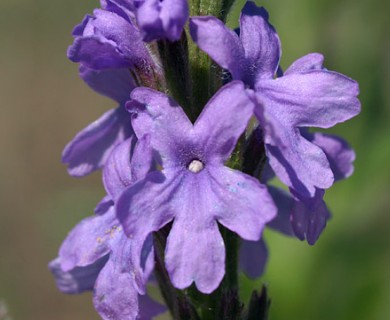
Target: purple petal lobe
x,y
158,115
253,258
108,41
195,235
103,205
260,41
89,241
97,54
316,98
285,203
162,19
115,297
299,163
193,239
113,83
124,8
79,29
220,43
312,61
146,205
78,279
91,147
217,129
338,152
239,202
309,217
117,170
120,172
142,159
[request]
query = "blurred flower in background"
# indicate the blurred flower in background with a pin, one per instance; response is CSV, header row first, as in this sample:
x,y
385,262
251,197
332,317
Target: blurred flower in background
x,y
4,311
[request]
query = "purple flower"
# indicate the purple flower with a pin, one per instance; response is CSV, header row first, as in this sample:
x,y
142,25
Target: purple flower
x,y
310,215
161,19
306,96
110,39
305,218
90,148
194,188
97,254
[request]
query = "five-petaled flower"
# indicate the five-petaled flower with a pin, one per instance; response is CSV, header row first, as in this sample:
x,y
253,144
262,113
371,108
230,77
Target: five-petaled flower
x,y
194,189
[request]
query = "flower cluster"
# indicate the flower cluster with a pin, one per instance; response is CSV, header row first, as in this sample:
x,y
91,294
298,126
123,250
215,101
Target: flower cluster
x,y
196,174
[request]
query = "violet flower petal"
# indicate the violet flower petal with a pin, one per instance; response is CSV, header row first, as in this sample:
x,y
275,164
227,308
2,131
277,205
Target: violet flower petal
x,y
154,111
195,238
78,279
115,296
253,258
237,197
300,164
338,152
220,43
311,99
309,217
137,206
162,19
145,207
104,204
261,43
90,148
113,83
97,53
90,240
142,159
108,41
124,8
311,61
285,204
219,128
127,163
117,170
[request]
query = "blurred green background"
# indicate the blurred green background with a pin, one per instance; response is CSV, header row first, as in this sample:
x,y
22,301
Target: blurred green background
x,y
346,275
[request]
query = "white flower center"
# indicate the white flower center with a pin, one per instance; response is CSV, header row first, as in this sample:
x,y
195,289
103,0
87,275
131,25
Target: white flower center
x,y
196,166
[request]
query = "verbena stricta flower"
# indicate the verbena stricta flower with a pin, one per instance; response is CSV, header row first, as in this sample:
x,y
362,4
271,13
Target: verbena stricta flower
x,y
156,19
306,96
194,188
161,19
305,219
110,39
90,148
309,215
98,255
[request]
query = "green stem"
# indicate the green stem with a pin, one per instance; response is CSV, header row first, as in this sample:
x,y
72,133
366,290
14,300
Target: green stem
x,y
174,57
206,76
